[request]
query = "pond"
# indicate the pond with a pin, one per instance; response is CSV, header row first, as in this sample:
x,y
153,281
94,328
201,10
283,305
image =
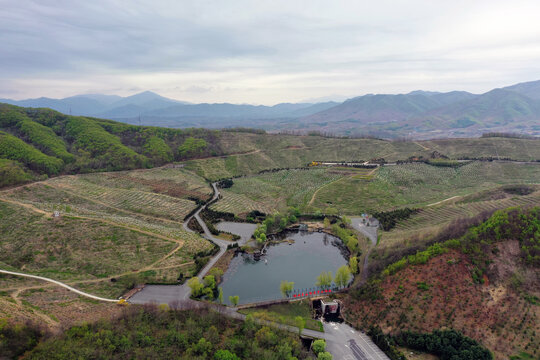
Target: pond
x,y
301,262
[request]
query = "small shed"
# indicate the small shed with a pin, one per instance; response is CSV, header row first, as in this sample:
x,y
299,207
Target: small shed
x,y
56,214
329,307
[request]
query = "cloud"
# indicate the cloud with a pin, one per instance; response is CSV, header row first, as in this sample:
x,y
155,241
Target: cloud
x,y
265,51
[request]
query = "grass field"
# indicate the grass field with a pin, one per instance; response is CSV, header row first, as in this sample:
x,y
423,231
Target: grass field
x,y
274,191
286,314
418,185
283,151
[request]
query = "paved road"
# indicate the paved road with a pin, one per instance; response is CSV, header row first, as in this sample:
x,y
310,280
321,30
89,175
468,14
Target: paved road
x,y
166,294
346,343
369,231
59,284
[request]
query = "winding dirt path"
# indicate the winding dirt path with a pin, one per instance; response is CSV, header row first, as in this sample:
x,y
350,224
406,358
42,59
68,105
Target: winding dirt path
x,y
445,200
82,293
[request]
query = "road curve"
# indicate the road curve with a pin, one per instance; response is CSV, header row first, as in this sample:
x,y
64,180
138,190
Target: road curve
x,y
165,294
82,293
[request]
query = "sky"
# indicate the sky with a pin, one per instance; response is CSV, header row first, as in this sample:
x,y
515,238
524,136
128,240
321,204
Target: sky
x,y
264,52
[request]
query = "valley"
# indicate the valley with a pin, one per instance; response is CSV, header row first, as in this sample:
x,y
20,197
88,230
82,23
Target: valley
x,y
109,233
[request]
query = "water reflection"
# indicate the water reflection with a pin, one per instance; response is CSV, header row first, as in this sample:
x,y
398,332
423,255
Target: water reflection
x,y
301,262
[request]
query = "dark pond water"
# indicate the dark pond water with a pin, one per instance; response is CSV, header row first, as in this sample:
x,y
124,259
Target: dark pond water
x,y
301,262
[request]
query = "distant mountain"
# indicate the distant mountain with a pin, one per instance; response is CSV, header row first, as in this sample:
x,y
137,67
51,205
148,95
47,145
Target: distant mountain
x,y
239,111
375,109
425,114
162,110
100,105
420,114
530,89
495,108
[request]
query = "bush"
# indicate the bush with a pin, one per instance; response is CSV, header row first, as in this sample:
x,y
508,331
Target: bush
x,y
157,150
11,173
318,346
152,332
103,150
389,219
446,344
16,339
191,147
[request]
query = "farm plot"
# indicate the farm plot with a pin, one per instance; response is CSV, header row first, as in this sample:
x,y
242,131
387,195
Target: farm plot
x,y
441,215
275,190
135,200
241,204
418,184
70,248
46,198
176,182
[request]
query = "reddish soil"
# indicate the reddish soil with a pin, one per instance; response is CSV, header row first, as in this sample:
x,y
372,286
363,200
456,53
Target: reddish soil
x,y
494,313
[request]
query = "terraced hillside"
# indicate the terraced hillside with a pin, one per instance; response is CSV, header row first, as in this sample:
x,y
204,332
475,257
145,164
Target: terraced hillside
x,y
431,219
114,230
419,184
274,191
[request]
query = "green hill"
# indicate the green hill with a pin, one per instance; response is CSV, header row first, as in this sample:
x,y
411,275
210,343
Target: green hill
x,y
42,142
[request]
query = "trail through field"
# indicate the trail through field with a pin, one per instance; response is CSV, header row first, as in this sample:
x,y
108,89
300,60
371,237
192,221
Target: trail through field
x,y
132,228
59,284
333,182
422,146
27,206
6,305
445,200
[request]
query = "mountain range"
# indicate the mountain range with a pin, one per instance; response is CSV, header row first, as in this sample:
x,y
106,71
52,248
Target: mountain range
x,y
418,114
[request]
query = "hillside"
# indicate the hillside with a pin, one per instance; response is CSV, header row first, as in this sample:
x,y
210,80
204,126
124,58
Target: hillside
x,y
37,143
484,284
40,142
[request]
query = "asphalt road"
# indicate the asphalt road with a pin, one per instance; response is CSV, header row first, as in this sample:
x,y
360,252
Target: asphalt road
x,y
346,343
167,294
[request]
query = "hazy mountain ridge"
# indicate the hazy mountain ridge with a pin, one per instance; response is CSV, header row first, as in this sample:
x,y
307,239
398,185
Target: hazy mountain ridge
x,y
420,114
425,114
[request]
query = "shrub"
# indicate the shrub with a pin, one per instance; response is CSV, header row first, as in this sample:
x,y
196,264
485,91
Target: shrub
x,y
157,150
389,219
318,346
447,344
12,173
191,147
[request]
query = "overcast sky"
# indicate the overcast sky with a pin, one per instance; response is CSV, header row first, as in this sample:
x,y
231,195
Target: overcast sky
x,y
264,52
